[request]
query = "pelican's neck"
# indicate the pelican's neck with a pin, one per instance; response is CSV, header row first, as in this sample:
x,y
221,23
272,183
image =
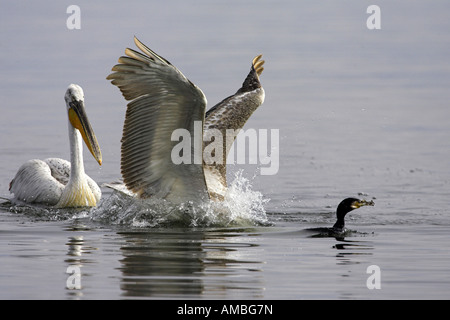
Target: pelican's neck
x,y
77,192
76,155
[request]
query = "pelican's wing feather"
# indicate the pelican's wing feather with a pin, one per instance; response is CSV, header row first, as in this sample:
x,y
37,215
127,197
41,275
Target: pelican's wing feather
x,y
34,183
60,169
231,113
162,100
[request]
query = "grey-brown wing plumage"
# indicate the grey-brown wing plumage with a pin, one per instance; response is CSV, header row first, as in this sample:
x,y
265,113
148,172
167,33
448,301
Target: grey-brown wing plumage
x,y
228,117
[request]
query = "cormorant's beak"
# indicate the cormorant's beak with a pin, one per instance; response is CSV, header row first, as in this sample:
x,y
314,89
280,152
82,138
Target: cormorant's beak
x,y
79,120
362,203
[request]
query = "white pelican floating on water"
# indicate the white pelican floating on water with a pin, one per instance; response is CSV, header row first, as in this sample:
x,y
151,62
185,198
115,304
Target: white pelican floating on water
x,y
57,182
163,100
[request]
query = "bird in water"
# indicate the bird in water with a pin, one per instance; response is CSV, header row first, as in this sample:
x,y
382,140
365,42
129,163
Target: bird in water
x,y
56,182
164,101
343,208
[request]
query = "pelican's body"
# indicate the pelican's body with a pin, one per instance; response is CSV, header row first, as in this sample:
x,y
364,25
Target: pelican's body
x,y
163,100
57,182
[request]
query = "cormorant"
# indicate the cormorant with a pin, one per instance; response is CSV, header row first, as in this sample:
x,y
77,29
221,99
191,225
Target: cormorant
x,y
343,208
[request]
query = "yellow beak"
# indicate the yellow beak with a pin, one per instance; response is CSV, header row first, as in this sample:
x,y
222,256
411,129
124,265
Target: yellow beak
x,y
362,203
79,120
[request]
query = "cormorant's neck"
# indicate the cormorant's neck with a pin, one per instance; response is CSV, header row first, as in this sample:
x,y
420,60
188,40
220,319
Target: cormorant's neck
x,y
341,212
340,224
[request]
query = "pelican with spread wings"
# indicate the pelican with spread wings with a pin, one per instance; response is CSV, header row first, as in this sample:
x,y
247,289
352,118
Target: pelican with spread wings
x,y
162,100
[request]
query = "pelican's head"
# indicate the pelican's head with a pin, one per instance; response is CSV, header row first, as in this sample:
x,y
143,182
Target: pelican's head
x,y
77,116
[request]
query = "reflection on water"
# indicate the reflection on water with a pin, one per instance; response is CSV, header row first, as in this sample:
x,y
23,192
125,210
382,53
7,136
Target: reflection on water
x,y
178,263
212,263
274,262
154,265
353,258
75,261
350,250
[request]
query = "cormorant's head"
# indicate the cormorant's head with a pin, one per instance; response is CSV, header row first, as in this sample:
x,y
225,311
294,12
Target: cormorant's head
x,y
346,206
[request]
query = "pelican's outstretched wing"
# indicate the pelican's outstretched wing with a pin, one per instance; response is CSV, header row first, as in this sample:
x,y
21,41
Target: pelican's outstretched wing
x,y
162,100
231,113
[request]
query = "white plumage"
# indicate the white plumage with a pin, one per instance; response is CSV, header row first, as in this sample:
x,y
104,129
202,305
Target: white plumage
x,y
57,182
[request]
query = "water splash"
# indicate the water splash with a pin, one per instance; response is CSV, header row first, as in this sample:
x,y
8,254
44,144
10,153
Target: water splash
x,y
42,213
242,206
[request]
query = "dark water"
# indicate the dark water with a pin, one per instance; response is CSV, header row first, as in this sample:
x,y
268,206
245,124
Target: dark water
x,y
360,113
